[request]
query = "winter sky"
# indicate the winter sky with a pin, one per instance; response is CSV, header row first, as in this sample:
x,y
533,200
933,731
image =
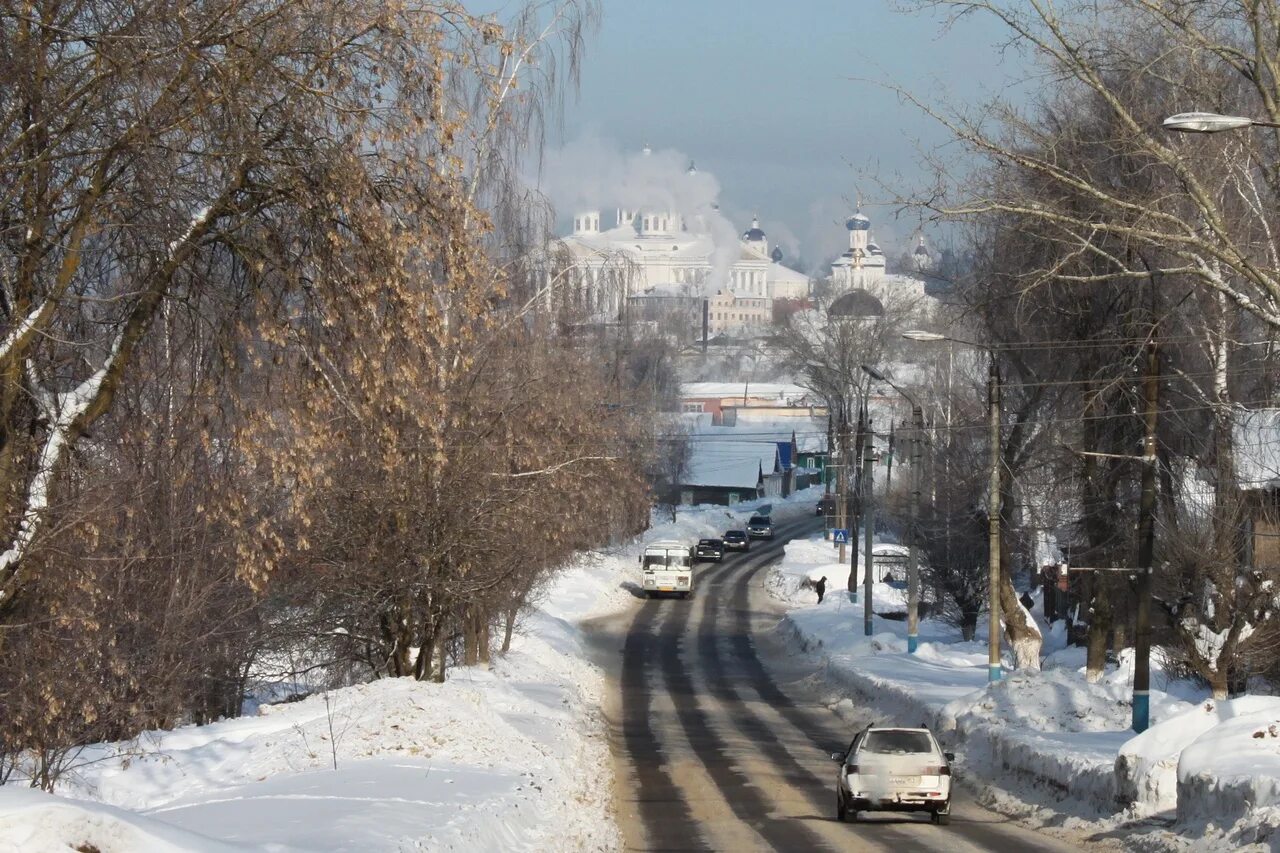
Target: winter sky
x,y
779,101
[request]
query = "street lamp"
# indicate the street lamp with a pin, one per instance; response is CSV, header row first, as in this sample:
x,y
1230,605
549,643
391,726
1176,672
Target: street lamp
x,y
913,567
1211,123
993,499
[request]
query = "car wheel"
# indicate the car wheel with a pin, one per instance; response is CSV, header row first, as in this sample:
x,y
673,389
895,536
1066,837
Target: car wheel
x,y
941,818
842,814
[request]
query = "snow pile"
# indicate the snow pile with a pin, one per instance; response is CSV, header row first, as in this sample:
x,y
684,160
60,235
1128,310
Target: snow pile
x,y
807,560
506,758
35,821
1233,767
1147,767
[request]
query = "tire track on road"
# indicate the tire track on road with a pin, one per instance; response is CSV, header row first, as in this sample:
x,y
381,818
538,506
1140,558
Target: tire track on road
x,y
735,786
663,812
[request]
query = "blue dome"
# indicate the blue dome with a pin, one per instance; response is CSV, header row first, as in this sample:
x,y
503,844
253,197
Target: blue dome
x,y
753,234
858,222
776,255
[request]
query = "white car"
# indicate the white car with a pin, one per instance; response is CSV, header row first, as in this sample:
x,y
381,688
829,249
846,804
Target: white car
x,y
894,769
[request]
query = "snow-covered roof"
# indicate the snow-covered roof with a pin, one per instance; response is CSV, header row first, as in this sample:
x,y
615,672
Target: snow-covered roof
x,y
782,392
810,433
781,272
730,464
1257,447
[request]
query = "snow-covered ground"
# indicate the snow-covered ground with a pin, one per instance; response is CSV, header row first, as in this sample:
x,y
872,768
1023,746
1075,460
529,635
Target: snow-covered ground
x,y
514,757
1208,771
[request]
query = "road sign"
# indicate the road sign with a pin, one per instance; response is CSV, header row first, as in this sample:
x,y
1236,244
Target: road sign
x,y
840,536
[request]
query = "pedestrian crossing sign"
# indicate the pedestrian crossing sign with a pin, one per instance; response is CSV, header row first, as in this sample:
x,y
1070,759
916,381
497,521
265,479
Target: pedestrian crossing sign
x,y
840,536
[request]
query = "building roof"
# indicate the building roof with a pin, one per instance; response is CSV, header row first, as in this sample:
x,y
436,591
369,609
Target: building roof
x,y
779,272
810,432
855,303
774,391
730,464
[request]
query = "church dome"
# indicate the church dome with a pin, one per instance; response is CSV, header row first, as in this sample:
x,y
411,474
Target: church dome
x,y
858,222
753,234
856,303
776,255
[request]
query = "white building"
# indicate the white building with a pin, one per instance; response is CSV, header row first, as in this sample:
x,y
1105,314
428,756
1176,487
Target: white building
x,y
862,265
629,252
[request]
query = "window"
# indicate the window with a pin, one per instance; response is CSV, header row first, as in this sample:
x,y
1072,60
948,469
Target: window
x,y
691,407
894,742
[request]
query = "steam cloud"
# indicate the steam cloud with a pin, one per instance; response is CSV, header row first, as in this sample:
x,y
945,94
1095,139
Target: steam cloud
x,y
594,174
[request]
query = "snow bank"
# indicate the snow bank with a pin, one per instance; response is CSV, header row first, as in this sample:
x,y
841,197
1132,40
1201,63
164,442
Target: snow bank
x,y
808,560
1234,767
35,821
508,758
1147,766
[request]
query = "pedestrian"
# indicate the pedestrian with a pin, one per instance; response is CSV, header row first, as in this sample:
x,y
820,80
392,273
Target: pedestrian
x,y
821,586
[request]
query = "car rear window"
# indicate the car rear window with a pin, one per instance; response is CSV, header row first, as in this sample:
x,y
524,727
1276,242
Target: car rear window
x,y
894,742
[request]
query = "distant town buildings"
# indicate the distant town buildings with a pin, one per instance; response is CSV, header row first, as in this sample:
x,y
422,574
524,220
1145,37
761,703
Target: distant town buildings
x,y
645,258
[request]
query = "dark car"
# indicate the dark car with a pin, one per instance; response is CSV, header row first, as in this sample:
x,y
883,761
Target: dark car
x,y
711,550
736,540
826,506
760,527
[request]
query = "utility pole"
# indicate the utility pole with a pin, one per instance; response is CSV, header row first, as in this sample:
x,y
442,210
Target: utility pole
x,y
854,489
993,525
842,468
1146,547
888,474
869,522
913,566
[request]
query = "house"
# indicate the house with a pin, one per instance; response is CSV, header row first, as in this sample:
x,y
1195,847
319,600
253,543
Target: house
x,y
728,472
726,401
1257,452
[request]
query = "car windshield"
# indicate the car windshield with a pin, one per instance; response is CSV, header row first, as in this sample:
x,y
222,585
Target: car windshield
x,y
897,742
733,534
759,519
712,542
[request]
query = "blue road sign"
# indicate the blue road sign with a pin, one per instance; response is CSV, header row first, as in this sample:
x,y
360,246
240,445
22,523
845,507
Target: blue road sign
x,y
840,536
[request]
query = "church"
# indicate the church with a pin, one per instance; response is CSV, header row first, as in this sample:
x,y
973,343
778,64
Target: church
x,y
646,256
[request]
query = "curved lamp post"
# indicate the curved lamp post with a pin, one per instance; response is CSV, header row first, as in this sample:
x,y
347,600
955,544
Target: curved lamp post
x,y
993,498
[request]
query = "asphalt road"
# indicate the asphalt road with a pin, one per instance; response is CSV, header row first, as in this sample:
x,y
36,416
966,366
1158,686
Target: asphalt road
x,y
721,741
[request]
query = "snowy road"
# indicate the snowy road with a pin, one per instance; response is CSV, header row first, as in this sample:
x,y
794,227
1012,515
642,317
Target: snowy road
x,y
721,741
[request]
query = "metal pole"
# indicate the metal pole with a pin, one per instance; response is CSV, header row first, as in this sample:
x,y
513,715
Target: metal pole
x,y
869,520
1146,547
913,567
993,526
842,509
855,512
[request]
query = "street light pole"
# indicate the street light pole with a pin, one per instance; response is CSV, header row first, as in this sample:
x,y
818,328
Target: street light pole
x,y
913,567
1146,548
993,525
994,669
917,471
869,522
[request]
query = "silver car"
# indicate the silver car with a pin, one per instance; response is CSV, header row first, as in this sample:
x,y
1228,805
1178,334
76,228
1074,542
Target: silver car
x,y
894,769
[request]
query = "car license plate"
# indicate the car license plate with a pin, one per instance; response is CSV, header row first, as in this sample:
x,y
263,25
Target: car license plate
x,y
904,781
666,589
